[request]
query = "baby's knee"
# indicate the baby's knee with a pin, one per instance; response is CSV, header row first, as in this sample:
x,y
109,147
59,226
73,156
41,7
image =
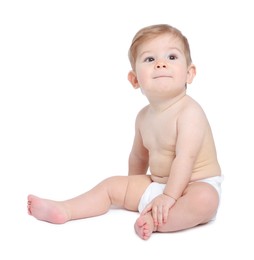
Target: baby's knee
x,y
207,202
116,187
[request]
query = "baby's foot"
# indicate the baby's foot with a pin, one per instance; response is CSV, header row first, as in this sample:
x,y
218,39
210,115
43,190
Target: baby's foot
x,y
47,210
144,226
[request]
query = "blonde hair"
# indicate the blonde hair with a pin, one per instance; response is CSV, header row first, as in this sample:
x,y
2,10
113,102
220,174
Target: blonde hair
x,y
153,31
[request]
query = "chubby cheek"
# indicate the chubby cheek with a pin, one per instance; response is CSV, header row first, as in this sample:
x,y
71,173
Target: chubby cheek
x,y
182,75
142,77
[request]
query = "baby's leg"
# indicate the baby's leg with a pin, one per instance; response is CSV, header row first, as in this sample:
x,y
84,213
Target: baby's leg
x,y
97,201
198,205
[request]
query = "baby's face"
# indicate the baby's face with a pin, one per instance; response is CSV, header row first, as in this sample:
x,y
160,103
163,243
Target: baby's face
x,y
161,65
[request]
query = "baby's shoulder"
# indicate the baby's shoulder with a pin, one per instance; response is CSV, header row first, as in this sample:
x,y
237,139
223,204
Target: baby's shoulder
x,y
191,104
140,116
191,108
142,111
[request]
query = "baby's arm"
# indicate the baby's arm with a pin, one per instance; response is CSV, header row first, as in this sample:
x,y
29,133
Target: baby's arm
x,y
138,158
191,128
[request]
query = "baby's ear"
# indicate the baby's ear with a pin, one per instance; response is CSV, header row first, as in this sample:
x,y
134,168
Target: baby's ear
x,y
133,79
191,73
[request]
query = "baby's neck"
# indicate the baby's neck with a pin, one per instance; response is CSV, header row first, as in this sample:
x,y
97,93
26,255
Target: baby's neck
x,y
163,105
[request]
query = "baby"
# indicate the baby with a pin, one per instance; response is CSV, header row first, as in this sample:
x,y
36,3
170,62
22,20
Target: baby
x,y
174,177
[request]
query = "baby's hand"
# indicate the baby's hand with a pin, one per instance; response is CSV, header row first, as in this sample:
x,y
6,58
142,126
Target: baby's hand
x,y
159,208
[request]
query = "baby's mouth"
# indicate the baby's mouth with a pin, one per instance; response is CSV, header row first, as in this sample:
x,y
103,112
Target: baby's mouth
x,y
162,76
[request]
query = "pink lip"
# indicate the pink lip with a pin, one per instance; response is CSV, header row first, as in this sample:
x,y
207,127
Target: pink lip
x,y
162,76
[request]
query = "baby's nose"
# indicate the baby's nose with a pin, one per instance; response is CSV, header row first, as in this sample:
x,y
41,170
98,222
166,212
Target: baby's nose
x,y
160,65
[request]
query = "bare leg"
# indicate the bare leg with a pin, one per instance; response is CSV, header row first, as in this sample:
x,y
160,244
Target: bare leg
x,y
120,191
198,205
95,202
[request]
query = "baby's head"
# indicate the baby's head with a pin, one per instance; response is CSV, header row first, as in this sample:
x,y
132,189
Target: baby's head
x,y
150,32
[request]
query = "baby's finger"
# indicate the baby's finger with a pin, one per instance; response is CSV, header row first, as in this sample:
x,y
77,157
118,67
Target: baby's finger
x,y
155,215
159,215
147,209
165,215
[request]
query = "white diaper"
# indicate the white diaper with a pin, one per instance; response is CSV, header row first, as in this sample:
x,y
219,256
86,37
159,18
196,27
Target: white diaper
x,y
154,189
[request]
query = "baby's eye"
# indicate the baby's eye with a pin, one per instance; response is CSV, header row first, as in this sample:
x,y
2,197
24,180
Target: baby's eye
x,y
172,57
149,59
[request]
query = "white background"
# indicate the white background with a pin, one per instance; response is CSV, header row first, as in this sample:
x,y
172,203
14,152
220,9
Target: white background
x,y
67,117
